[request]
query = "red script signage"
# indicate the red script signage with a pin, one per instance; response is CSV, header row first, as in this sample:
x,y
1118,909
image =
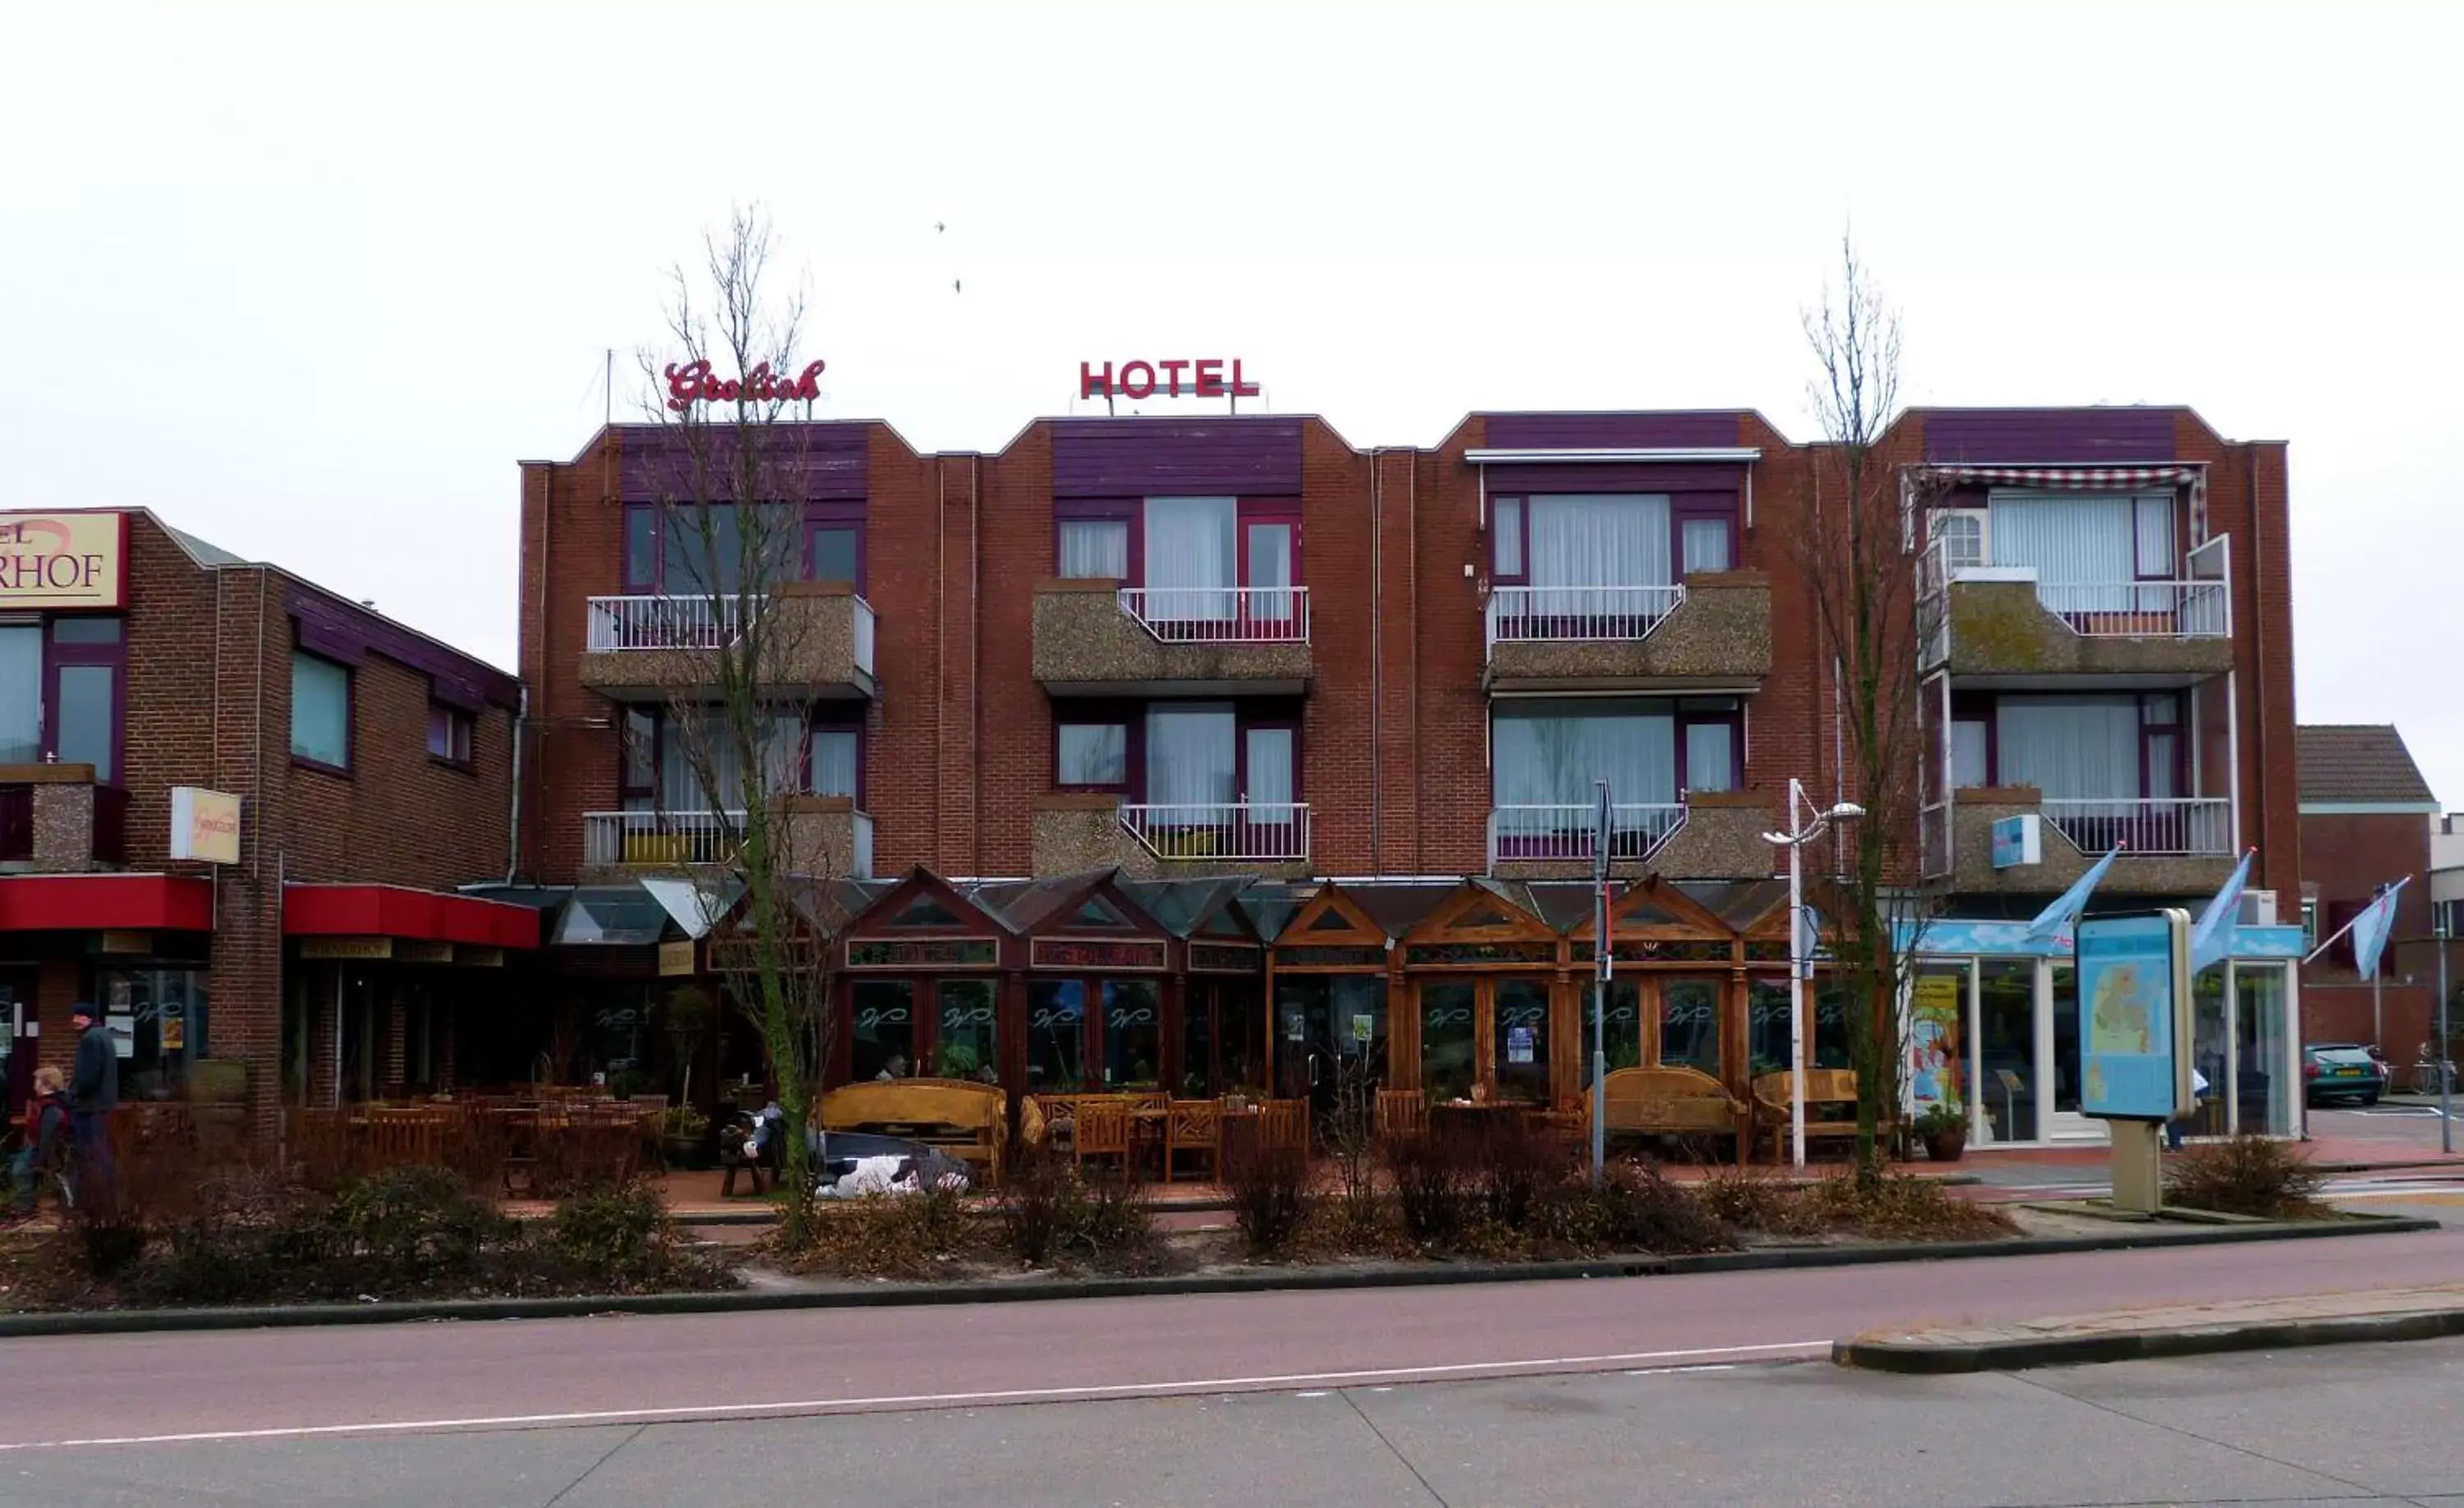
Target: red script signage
x,y
1140,380
692,384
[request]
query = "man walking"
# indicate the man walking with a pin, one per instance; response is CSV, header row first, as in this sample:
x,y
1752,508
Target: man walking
x,y
93,1092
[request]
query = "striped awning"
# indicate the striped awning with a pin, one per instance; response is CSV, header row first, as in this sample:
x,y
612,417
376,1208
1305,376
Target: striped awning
x,y
2091,479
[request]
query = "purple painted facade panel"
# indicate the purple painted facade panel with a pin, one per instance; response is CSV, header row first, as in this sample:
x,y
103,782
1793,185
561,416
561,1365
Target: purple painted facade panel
x,y
805,462
1615,478
1581,431
1176,457
2049,436
327,625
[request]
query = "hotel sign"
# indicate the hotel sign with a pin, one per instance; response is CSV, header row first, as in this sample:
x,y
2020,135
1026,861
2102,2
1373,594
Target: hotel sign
x,y
63,560
1183,377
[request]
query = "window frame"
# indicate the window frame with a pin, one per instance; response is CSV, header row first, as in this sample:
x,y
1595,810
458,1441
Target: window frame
x,y
826,718
350,715
462,732
1676,709
86,654
1132,750
811,517
1986,708
1132,510
1696,506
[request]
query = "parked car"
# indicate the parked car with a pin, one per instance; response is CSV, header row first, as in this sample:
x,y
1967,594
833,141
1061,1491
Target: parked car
x,y
2348,1071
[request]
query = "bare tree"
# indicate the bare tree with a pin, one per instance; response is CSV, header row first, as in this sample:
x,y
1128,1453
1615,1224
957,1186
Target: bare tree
x,y
1871,621
730,459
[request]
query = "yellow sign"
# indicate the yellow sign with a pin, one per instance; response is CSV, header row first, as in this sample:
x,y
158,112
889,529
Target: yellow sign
x,y
1934,1010
127,943
63,560
675,958
472,955
204,825
346,948
174,1030
407,951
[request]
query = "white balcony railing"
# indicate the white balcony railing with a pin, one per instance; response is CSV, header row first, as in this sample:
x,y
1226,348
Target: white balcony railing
x,y
659,838
1264,831
1518,834
619,623
2196,825
2198,605
862,631
1579,612
1221,614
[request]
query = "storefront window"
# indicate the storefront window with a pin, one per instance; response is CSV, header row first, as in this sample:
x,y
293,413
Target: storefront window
x,y
2066,1040
1621,1029
1132,1035
966,1046
885,1030
1522,1041
1767,1024
2008,1081
1448,1035
1689,1025
2208,1032
1239,1031
1197,1038
1056,1034
157,1020
1937,1026
1830,1047
2262,1090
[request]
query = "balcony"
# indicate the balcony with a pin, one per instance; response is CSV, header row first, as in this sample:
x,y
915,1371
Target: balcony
x,y
1713,630
815,641
54,819
2006,622
820,835
2169,846
1097,638
1075,832
1710,835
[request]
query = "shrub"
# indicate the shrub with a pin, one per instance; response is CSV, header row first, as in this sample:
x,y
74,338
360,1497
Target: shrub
x,y
1521,1162
1902,1207
889,1235
1634,1208
1745,1199
417,1222
1433,1182
621,1232
2250,1174
1052,1216
1270,1189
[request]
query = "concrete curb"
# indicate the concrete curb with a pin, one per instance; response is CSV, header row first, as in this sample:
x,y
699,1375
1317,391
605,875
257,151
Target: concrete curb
x,y
1263,1280
1938,1360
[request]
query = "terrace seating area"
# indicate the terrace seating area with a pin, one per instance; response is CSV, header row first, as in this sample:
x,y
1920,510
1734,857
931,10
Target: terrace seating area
x,y
529,1140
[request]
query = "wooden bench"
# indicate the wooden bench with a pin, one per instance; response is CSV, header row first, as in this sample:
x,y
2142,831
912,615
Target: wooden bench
x,y
1830,1107
958,1116
1675,1101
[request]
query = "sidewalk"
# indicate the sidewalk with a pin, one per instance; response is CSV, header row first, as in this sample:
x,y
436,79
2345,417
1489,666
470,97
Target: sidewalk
x,y
2395,1313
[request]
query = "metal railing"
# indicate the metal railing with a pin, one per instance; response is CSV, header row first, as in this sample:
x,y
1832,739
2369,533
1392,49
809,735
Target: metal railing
x,y
666,623
1276,831
863,636
1518,834
2199,606
659,838
1221,614
1579,612
2198,825
1933,838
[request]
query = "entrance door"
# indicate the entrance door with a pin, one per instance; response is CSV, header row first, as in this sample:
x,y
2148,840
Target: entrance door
x,y
2011,1082
1328,1028
1269,568
16,1048
2064,1122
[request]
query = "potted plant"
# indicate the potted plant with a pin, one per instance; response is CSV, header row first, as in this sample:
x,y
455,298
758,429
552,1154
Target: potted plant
x,y
684,1135
1942,1128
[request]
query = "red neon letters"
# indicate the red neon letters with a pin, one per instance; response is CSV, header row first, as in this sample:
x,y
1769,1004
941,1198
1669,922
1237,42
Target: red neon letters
x,y
1139,379
692,384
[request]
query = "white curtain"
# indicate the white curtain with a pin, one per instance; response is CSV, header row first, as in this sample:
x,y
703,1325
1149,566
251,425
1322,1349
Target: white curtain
x,y
1270,567
834,761
2072,749
1710,757
1190,557
1706,544
1968,749
2155,542
1190,755
1094,754
682,788
1095,547
1581,544
21,694
1549,755
1269,768
2083,548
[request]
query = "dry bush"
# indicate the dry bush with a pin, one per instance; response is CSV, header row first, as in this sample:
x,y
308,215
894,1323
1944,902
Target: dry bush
x,y
1051,1215
1901,1207
2250,1174
915,1235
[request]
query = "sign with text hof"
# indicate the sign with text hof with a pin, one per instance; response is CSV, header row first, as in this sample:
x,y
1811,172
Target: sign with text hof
x,y
63,560
204,825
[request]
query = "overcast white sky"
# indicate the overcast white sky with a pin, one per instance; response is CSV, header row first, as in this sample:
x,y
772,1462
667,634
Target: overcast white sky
x,y
309,280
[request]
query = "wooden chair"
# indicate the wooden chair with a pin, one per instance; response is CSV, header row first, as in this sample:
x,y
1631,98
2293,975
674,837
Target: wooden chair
x,y
1284,1123
1193,1126
1402,1113
1102,1129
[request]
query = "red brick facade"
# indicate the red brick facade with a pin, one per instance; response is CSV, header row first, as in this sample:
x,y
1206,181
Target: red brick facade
x,y
2346,857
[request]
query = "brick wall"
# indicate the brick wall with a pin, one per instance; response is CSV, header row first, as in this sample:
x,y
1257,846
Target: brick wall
x,y
2347,856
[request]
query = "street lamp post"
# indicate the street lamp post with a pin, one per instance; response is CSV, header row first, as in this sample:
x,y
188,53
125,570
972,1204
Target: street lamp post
x,y
2438,930
1800,951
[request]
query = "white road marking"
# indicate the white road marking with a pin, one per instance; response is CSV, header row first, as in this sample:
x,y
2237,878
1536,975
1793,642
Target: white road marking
x,y
904,1401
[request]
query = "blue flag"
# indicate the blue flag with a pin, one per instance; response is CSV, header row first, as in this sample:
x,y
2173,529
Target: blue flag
x,y
2370,930
2211,939
2068,905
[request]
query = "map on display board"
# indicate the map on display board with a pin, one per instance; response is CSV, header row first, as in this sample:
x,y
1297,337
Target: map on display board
x,y
2133,991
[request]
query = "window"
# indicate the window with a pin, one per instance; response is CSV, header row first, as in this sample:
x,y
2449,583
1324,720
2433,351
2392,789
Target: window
x,y
641,548
1190,751
448,732
2087,547
1507,556
885,1030
1547,753
2089,748
85,677
1970,752
1522,1042
21,693
1706,544
1689,1024
1449,1032
2310,925
1095,547
321,711
837,757
834,552
1092,756
965,1044
1580,546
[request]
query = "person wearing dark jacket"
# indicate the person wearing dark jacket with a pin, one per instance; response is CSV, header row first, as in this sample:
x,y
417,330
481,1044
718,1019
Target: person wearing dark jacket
x,y
47,1135
94,1092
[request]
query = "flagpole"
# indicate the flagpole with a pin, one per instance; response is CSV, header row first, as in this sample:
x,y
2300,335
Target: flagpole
x,y
2355,922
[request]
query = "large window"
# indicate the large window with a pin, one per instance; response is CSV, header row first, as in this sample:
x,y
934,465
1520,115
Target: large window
x,y
885,1030
1689,1024
721,549
21,693
692,762
321,711
2091,748
157,1020
1573,549
1545,755
1449,1039
1092,755
1195,560
2088,549
1199,758
62,689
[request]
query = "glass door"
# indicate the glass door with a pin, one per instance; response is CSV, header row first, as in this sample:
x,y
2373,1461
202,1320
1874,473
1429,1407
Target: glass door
x,y
1269,816
2063,1122
2264,1073
16,1048
1328,1026
1271,568
2009,1079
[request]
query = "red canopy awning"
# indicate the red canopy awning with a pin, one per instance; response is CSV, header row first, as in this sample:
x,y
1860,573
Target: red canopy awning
x,y
92,902
387,910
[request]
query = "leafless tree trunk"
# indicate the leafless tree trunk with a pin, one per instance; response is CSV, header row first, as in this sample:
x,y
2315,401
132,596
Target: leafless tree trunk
x,y
1860,576
733,536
